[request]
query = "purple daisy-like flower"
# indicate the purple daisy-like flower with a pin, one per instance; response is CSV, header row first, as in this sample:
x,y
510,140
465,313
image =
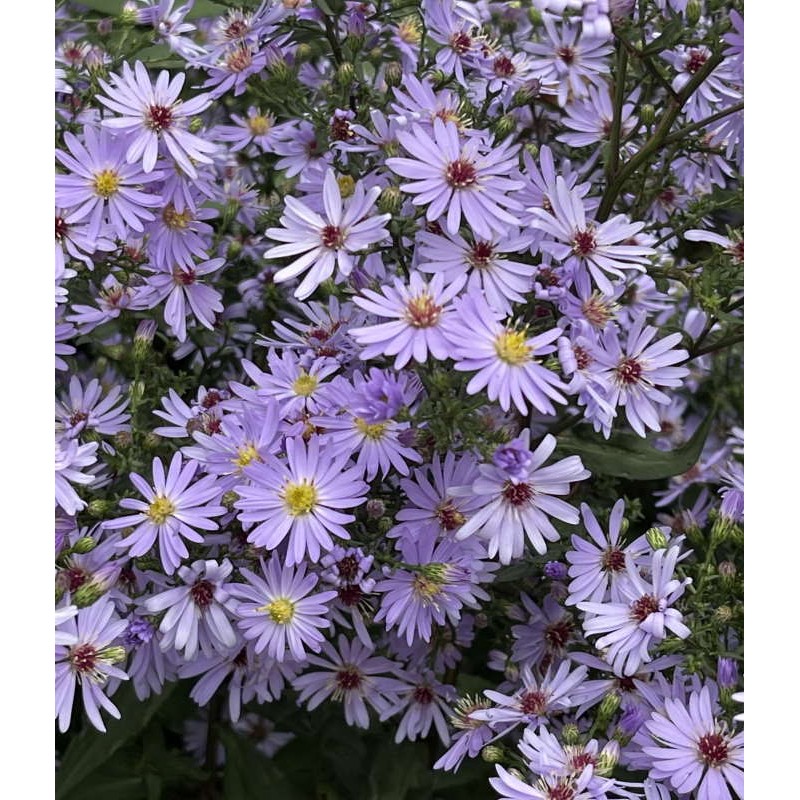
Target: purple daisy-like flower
x,y
84,410
173,510
278,613
504,357
517,508
198,613
459,178
695,752
86,657
351,676
425,702
638,368
178,237
550,787
419,315
154,114
323,243
589,248
102,186
642,616
300,498
71,458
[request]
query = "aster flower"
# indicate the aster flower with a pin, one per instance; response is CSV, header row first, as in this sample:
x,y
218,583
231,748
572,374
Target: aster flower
x,y
590,120
173,510
352,676
546,633
88,661
84,410
504,357
154,114
425,701
447,579
598,566
510,787
329,241
256,128
419,315
71,458
459,178
178,237
101,186
588,247
693,751
446,25
198,613
638,368
517,508
300,498
417,100
642,616
278,612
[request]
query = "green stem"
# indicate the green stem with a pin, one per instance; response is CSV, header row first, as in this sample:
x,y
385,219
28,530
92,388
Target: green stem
x,y
619,98
681,132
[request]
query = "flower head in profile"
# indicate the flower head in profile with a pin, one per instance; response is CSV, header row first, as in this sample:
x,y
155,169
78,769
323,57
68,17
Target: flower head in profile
x,y
322,243
279,612
171,512
153,115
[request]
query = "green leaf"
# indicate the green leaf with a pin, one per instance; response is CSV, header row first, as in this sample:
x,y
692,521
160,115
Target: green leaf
x,y
111,7
399,771
201,8
205,8
626,455
91,749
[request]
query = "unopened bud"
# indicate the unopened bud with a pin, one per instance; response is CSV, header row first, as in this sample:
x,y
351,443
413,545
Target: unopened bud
x,y
393,74
492,754
152,441
105,26
505,126
624,524
609,758
570,734
136,390
532,148
303,52
375,509
694,11
347,186
555,570
727,569
390,200
115,351
130,13
345,74
656,538
535,16
439,77
229,498
88,593
727,673
647,114
608,708
385,524
123,440
113,655
723,614
84,545
100,509
143,339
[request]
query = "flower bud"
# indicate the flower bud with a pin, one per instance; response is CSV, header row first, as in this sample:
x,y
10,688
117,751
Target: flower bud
x,y
115,351
629,723
303,52
505,126
229,498
656,538
608,708
492,754
136,390
694,10
130,13
105,26
532,148
152,441
555,570
114,654
481,620
439,78
85,544
570,734
727,673
347,186
143,340
647,114
723,614
535,16
345,74
375,508
727,569
624,524
609,758
100,509
393,74
123,440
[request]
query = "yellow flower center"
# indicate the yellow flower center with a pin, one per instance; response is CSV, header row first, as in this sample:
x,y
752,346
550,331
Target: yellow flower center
x,y
409,30
176,221
305,384
374,430
259,125
512,347
160,509
280,610
300,498
426,588
246,454
346,185
106,183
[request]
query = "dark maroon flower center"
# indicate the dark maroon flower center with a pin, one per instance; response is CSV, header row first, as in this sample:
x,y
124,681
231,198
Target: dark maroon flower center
x,y
696,60
78,417
667,197
348,568
580,761
566,54
348,678
613,560
713,749
584,242
203,593
159,118
547,277
75,577
629,371
332,237
533,703
61,228
562,791
460,173
449,516
186,277
341,130
350,594
239,60
582,358
461,42
504,67
626,684
83,658
518,494
737,251
642,608
423,695
241,658
557,633
481,255
236,29
433,227
211,398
